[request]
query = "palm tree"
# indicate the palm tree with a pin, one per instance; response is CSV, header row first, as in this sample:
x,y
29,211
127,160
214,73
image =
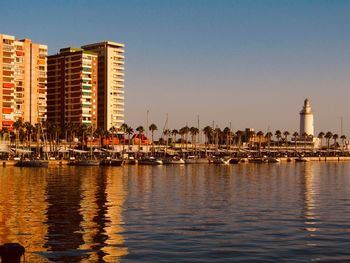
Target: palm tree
x,y
187,130
152,129
174,132
278,135
194,131
28,128
320,136
295,135
37,131
217,137
268,137
4,132
106,135
260,135
73,129
124,128
251,138
286,134
56,130
208,131
343,138
47,127
184,133
99,132
112,131
335,138
83,128
67,129
305,138
328,136
17,126
239,135
227,133
140,130
129,131
166,133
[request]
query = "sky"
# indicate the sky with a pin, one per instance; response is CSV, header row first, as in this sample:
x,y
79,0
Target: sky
x,y
227,63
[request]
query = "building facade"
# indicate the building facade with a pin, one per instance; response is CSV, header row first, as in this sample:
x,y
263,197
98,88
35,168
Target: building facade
x,y
72,87
111,99
23,82
306,120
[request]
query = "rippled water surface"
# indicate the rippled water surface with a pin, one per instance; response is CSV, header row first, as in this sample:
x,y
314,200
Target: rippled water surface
x,y
194,213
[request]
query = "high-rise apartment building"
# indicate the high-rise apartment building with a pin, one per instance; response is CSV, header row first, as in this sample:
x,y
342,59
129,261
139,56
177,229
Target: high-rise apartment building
x,y
72,87
22,81
111,100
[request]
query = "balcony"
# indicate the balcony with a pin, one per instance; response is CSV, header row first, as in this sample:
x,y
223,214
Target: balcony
x,y
120,104
8,67
120,50
8,48
86,69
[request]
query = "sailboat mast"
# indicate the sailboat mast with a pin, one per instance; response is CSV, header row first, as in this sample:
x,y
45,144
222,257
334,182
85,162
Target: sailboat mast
x,y
166,135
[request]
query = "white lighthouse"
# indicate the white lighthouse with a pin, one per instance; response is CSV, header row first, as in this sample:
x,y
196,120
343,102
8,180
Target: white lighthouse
x,y
306,119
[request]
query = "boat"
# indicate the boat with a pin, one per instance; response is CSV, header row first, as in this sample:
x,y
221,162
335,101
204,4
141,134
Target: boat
x,y
256,160
202,160
234,160
105,162
273,160
83,162
111,162
301,159
32,163
220,160
192,159
173,160
86,162
130,160
150,161
117,162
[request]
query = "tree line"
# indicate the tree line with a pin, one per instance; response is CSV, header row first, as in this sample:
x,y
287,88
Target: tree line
x,y
25,133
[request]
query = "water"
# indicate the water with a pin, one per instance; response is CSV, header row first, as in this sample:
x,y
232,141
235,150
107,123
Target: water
x,y
293,212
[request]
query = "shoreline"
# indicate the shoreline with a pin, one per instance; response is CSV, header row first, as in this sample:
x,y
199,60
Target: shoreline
x,y
282,160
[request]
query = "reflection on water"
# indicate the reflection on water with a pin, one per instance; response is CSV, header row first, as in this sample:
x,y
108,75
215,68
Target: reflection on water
x,y
67,214
188,213
310,195
23,209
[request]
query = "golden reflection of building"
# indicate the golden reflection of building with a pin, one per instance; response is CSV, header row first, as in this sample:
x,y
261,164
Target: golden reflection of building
x,y
23,209
116,195
88,210
101,205
310,195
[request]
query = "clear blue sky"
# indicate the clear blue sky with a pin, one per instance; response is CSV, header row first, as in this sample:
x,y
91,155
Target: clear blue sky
x,y
248,63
